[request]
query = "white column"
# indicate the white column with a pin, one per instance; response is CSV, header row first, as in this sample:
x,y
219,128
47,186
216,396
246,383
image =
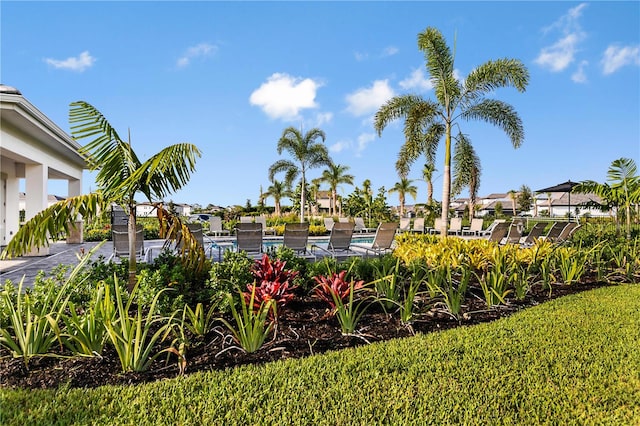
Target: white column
x,y
12,208
36,177
75,232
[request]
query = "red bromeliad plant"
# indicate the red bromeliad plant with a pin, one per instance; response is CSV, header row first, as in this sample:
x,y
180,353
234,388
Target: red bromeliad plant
x,y
273,282
335,285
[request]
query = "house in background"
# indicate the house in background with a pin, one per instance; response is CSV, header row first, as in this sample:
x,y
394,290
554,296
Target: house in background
x,y
33,150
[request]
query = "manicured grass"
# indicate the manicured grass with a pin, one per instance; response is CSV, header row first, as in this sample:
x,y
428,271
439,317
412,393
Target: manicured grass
x,y
574,360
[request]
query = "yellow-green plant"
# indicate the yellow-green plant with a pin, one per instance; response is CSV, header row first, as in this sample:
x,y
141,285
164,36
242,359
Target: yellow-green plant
x,y
86,333
132,336
198,321
252,325
348,312
388,283
571,264
494,282
34,328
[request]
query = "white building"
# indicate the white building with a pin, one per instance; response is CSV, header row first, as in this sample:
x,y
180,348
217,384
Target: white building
x,y
33,149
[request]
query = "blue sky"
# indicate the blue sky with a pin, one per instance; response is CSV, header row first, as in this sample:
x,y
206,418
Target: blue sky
x,y
229,77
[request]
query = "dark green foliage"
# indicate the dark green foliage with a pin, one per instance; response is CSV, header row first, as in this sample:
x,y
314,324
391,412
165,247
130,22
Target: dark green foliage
x,y
229,276
186,286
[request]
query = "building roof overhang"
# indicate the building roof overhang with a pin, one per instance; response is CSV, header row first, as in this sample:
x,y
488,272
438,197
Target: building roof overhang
x,y
16,110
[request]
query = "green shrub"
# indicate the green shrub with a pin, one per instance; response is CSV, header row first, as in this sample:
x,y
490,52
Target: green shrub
x,y
574,360
229,276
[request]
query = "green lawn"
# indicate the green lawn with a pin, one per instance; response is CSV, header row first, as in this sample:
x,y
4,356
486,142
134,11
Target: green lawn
x,y
574,360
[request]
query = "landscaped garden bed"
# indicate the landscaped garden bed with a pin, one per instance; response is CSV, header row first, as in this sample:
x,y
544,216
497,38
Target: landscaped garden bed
x,y
299,309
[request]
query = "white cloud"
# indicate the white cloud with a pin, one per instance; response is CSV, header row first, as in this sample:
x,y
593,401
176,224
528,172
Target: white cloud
x,y
386,52
78,63
389,51
558,56
616,57
198,51
363,140
283,96
340,146
417,80
361,56
323,118
367,100
579,76
561,54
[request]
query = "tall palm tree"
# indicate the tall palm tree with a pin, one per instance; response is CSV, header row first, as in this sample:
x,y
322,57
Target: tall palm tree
x,y
403,188
315,188
513,194
335,175
278,190
622,191
427,121
306,153
121,176
467,169
427,173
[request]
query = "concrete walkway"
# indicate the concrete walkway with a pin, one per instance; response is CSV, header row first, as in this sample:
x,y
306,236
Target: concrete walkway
x,y
59,253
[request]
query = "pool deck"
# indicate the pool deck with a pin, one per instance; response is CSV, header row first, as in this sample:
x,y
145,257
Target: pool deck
x,y
67,254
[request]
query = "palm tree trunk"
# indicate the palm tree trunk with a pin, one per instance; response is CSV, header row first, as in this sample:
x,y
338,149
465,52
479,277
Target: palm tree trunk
x,y
429,192
132,248
334,207
446,181
302,198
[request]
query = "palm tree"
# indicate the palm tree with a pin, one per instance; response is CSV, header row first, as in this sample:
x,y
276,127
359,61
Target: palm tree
x,y
427,173
335,175
306,154
315,187
467,169
121,176
403,188
622,192
427,121
278,190
513,194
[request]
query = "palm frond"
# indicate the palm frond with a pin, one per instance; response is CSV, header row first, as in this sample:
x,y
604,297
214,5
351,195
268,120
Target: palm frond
x,y
496,74
466,166
166,172
107,152
500,114
52,222
281,166
177,233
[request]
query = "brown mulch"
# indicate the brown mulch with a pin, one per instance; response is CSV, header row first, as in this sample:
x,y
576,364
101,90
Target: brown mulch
x,y
304,329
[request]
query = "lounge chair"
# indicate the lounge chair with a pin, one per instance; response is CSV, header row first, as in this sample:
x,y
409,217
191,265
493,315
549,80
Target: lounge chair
x,y
385,235
455,226
405,224
534,234
490,228
215,226
498,232
246,219
567,232
263,220
418,225
555,231
120,237
328,223
296,237
475,228
339,242
197,232
343,220
249,238
437,225
513,235
360,226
